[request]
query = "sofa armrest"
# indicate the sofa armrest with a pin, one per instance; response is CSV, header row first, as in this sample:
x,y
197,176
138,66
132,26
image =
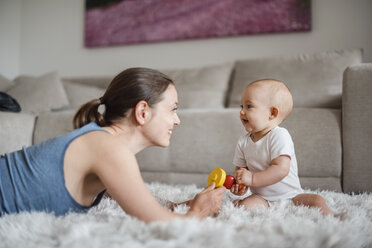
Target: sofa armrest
x,y
357,128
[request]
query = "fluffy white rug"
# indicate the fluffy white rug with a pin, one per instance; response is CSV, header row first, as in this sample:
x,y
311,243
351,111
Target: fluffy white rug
x,y
283,225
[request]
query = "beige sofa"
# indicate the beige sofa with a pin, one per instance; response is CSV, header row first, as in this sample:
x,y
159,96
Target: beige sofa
x,y
331,122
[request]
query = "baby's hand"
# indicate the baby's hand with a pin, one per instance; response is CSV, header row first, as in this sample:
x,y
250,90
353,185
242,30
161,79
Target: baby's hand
x,y
243,176
239,189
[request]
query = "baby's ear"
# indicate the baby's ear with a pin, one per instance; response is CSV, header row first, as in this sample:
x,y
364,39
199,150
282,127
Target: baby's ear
x,y
274,112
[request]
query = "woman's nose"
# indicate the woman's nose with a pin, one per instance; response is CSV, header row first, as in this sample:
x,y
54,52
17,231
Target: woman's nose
x,y
177,121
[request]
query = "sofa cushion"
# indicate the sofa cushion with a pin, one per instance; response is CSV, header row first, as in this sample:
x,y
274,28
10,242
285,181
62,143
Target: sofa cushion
x,y
100,82
194,146
5,83
205,140
197,148
204,87
16,130
321,183
316,135
357,128
314,79
39,94
78,94
154,159
52,124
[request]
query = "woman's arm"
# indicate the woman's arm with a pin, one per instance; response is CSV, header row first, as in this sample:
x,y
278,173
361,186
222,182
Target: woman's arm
x,y
118,170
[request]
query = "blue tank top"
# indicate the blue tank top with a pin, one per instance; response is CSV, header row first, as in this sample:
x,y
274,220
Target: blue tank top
x,y
32,179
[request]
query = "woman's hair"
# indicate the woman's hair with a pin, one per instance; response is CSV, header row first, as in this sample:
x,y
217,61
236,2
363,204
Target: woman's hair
x,y
124,92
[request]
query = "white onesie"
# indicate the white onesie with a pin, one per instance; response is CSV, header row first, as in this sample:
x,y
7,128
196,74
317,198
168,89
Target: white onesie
x,y
257,156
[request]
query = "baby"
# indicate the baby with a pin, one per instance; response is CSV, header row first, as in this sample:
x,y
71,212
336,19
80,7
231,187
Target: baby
x,y
265,159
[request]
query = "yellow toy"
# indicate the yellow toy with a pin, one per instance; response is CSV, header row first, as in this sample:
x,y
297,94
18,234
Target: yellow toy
x,y
219,176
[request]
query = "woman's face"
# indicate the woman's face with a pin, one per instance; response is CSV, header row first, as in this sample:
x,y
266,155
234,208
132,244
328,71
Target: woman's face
x,y
163,118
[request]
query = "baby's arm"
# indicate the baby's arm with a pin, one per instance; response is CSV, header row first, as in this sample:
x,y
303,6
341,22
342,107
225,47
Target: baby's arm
x,y
278,170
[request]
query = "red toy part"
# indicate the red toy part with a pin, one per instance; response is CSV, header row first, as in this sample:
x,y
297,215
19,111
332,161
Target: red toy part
x,y
229,181
219,176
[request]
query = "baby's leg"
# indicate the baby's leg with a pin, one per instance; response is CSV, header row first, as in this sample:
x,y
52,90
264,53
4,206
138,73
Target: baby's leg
x,y
312,200
252,201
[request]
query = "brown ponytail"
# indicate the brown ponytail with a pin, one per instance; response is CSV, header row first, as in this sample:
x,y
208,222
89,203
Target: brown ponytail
x,y
124,92
88,113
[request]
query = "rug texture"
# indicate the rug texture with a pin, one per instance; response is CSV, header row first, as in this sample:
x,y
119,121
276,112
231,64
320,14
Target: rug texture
x,y
282,225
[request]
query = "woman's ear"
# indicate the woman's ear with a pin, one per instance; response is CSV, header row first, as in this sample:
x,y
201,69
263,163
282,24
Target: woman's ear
x,y
142,112
274,112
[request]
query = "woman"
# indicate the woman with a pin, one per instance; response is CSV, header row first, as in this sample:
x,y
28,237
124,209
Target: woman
x,y
71,172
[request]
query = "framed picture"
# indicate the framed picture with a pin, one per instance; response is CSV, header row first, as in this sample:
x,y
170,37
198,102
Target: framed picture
x,y
119,22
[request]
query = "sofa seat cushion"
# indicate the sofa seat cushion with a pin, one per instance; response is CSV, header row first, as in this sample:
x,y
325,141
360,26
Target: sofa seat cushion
x,y
154,159
321,183
316,134
315,80
206,139
357,128
50,125
16,131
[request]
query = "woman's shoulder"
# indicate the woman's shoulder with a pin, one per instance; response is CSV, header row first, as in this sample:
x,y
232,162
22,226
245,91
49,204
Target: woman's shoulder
x,y
103,147
109,155
104,141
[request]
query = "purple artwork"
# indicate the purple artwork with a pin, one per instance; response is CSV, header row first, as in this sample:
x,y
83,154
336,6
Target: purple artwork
x,y
138,21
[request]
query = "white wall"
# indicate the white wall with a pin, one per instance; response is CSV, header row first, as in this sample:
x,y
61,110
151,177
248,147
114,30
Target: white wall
x,y
52,39
10,37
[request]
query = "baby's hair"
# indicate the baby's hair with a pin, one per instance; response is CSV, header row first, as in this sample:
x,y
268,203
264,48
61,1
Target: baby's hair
x,y
280,95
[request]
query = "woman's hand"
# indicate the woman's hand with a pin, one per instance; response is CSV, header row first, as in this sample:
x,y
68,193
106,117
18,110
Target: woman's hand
x,y
208,202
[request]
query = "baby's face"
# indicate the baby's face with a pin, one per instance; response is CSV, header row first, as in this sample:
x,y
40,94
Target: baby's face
x,y
255,109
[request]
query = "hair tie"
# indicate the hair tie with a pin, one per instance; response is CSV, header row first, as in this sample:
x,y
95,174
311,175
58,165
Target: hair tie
x,y
101,107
